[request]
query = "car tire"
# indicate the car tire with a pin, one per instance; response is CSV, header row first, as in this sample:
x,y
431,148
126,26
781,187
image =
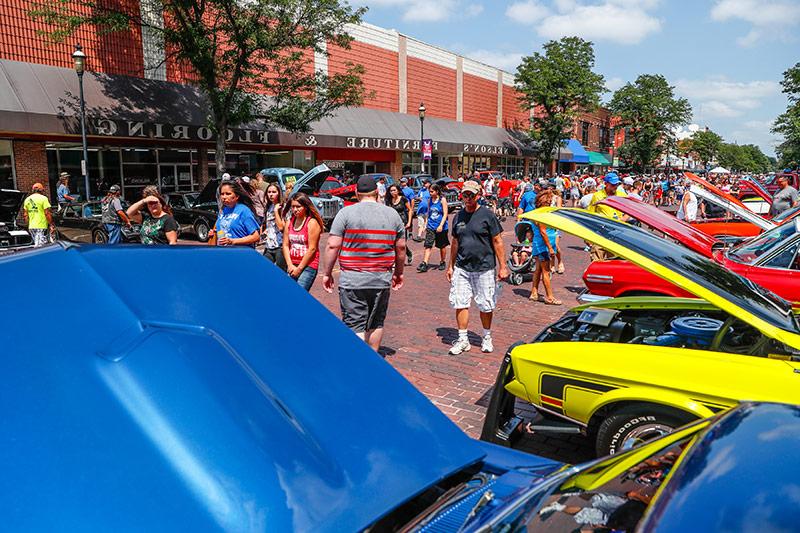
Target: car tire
x,y
99,237
635,425
201,229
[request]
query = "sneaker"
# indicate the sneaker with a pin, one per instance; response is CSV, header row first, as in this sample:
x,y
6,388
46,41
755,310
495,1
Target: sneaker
x,y
409,259
460,346
486,344
442,266
423,267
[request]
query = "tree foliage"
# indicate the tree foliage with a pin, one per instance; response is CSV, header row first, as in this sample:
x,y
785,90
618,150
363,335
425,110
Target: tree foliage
x,y
788,124
648,110
236,49
557,84
706,144
743,158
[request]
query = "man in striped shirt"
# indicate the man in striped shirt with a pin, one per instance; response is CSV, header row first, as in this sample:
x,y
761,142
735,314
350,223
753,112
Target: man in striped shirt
x,y
368,238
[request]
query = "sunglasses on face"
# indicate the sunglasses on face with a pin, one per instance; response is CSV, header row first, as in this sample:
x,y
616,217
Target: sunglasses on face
x,y
467,194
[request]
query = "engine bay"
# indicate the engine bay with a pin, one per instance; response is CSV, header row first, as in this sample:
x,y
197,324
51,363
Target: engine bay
x,y
677,328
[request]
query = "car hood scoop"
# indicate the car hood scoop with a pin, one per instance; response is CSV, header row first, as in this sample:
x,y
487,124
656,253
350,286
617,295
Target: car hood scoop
x,y
168,399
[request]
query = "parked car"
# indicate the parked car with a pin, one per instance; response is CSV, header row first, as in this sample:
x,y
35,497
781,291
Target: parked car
x,y
82,222
311,183
197,424
770,259
194,212
13,237
625,370
736,220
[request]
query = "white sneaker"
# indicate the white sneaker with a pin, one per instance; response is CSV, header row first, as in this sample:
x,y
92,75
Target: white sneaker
x,y
460,346
486,344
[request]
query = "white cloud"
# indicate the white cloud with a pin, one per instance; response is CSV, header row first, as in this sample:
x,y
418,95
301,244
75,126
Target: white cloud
x,y
764,16
619,21
505,61
426,11
719,97
529,12
612,84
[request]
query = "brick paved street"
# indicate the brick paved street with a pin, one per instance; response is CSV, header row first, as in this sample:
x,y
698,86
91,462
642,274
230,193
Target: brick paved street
x,y
421,326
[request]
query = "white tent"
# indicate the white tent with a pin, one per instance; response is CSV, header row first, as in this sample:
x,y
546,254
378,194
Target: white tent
x,y
719,170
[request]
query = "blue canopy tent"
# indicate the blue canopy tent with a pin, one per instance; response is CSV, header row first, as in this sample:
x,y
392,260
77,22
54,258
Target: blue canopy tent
x,y
579,153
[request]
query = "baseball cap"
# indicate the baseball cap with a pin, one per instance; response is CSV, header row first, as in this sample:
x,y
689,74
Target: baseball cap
x,y
226,176
627,180
471,186
114,188
64,175
612,178
403,180
37,187
366,184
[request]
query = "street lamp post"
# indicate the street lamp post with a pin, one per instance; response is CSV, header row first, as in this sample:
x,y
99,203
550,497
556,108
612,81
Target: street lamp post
x,y
421,136
80,62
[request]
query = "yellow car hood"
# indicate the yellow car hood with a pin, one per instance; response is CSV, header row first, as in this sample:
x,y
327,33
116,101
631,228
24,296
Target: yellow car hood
x,y
702,277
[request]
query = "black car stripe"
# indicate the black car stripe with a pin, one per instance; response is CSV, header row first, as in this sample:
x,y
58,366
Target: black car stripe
x,y
554,386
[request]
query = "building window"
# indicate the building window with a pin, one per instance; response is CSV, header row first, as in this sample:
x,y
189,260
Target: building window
x,y
585,133
605,139
513,167
7,174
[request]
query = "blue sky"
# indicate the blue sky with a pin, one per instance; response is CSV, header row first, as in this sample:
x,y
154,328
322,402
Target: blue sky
x,y
725,56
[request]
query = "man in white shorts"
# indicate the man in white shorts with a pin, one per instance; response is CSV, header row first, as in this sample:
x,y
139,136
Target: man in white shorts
x,y
476,252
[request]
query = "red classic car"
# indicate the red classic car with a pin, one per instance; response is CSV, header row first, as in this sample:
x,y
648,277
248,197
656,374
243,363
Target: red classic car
x,y
738,221
770,260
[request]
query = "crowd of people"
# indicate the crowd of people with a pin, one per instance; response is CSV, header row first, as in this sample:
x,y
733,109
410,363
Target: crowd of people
x,y
369,239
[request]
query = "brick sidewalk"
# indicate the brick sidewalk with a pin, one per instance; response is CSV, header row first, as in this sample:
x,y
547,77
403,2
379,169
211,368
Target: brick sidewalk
x,y
420,327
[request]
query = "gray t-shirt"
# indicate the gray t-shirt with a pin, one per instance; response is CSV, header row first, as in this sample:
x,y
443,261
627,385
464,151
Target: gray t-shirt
x,y
109,213
369,231
784,199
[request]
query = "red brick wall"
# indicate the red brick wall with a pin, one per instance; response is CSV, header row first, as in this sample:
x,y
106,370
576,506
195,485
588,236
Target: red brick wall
x,y
435,86
513,115
480,100
117,53
380,76
30,162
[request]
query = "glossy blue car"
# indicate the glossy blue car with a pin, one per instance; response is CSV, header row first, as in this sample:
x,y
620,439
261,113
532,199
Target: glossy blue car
x,y
158,397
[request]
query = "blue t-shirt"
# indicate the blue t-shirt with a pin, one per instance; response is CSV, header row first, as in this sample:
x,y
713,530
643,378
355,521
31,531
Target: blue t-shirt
x,y
665,185
538,245
236,222
527,201
408,192
62,191
436,211
424,197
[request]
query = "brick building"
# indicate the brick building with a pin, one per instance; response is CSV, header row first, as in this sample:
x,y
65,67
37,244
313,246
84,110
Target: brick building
x,y
147,125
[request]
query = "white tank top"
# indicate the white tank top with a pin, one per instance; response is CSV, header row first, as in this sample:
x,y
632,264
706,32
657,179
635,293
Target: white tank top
x,y
691,209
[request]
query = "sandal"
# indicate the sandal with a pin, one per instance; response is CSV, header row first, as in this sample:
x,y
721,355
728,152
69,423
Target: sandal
x,y
560,269
552,302
535,296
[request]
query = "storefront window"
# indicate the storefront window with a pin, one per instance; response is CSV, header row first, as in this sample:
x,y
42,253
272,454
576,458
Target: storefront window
x,y
513,167
7,176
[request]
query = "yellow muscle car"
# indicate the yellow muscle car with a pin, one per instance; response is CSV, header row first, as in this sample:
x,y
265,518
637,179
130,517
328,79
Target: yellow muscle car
x,y
630,369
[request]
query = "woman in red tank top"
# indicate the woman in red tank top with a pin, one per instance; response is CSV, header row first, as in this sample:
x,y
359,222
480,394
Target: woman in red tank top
x,y
301,241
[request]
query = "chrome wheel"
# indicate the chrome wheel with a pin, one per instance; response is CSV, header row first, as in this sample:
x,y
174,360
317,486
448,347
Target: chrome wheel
x,y
644,434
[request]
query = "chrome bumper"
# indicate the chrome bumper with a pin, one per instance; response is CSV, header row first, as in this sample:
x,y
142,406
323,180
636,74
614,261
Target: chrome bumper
x,y
587,297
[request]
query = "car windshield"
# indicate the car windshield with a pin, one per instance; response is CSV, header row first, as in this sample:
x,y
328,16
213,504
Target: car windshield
x,y
330,184
750,250
191,198
786,215
610,495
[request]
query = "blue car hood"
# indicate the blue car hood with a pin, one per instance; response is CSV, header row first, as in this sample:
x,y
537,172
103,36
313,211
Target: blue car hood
x,y
314,178
195,388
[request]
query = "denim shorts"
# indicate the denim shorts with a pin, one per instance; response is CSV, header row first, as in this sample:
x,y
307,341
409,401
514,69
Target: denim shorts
x,y
307,277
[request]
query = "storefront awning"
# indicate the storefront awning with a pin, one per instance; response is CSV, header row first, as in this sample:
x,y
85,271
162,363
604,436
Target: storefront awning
x,y
43,100
578,152
596,158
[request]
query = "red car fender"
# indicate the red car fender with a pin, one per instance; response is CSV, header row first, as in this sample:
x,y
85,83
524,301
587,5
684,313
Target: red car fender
x,y
616,278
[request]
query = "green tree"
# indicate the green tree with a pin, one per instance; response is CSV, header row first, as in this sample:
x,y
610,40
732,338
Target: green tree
x,y
787,124
558,84
744,158
649,112
706,144
237,49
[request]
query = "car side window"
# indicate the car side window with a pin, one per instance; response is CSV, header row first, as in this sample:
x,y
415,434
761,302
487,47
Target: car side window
x,y
786,258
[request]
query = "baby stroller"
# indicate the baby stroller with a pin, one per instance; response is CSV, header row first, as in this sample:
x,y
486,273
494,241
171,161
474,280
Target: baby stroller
x,y
521,270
